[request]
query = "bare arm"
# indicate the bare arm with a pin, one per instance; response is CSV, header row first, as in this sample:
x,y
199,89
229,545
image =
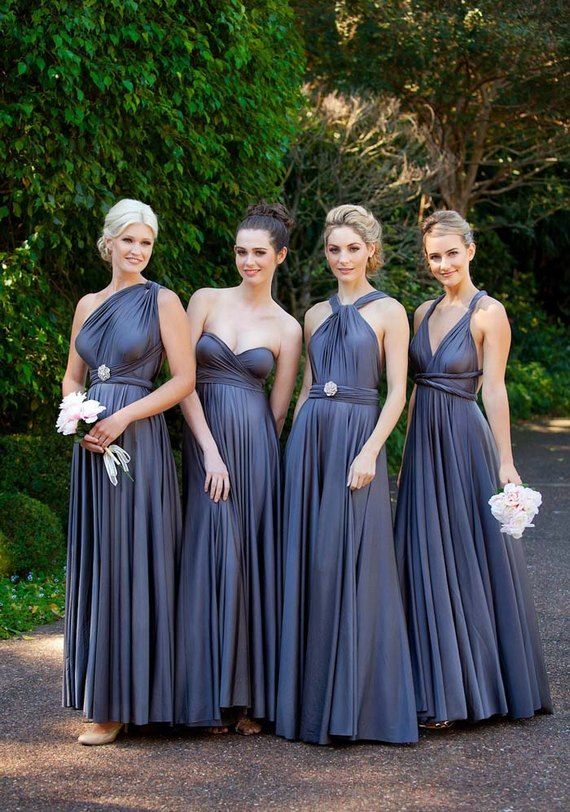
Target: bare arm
x,y
395,340
176,340
313,319
285,373
217,481
496,344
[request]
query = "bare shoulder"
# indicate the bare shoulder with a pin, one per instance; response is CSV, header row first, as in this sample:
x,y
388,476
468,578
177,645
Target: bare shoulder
x,y
316,314
421,312
288,325
388,307
167,299
490,308
87,303
206,295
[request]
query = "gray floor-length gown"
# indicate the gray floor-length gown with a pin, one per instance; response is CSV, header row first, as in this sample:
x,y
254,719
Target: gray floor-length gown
x,y
229,598
119,627
473,632
345,666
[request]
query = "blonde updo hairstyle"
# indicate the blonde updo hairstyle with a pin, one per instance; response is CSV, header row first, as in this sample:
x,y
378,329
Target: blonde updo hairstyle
x,y
123,214
443,222
366,226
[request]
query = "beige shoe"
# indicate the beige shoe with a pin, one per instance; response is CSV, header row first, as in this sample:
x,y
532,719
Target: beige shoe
x,y
107,737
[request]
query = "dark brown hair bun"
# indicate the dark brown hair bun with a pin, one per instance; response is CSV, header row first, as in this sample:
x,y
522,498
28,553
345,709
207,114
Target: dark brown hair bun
x,y
271,217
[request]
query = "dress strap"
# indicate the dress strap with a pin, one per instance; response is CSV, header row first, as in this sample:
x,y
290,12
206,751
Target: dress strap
x,y
371,296
334,303
478,296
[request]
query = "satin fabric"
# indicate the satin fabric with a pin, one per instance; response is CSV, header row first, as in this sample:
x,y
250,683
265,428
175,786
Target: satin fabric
x,y
119,625
229,593
473,632
345,669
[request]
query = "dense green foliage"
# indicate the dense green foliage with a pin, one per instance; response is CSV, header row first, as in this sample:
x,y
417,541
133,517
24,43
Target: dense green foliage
x,y
39,467
30,601
486,81
30,535
189,106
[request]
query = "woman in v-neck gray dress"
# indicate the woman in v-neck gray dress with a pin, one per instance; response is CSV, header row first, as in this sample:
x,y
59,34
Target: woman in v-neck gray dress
x,y
473,632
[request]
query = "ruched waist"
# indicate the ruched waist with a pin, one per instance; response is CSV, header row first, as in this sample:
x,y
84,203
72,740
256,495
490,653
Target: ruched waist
x,y
126,380
206,376
344,394
443,381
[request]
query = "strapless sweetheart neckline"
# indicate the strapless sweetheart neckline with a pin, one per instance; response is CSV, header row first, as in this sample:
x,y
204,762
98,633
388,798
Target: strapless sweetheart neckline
x,y
227,346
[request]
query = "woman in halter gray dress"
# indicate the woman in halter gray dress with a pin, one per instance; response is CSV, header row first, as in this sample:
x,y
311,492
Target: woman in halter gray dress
x,y
119,627
229,573
473,633
345,670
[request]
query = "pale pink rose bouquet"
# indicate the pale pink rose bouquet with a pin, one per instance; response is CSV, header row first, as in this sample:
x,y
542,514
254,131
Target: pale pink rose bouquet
x,y
74,409
515,507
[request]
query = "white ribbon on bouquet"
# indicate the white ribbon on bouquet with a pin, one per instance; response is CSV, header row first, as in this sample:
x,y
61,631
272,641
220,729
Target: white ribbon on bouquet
x,y
114,458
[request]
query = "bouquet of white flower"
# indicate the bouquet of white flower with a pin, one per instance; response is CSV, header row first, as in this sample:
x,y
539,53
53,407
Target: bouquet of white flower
x,y
75,408
515,507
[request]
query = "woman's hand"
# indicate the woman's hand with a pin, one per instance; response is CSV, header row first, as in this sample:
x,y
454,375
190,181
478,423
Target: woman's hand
x,y
106,431
89,444
508,473
217,480
363,470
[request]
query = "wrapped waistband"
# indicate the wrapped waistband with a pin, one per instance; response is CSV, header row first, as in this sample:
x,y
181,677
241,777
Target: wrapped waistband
x,y
344,394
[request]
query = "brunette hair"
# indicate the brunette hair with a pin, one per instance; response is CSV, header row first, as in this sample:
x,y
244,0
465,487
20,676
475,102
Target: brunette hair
x,y
366,226
271,217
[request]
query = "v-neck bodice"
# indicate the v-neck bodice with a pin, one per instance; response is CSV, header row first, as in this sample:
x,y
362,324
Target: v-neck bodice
x,y
454,366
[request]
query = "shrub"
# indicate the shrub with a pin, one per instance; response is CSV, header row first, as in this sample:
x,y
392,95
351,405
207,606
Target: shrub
x,y
188,105
30,535
39,467
30,601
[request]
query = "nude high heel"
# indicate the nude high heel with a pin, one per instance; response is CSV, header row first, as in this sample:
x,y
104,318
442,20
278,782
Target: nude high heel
x,y
108,737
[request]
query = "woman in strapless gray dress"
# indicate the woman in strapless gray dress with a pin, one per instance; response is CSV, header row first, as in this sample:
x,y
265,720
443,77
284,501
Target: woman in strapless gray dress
x,y
345,670
119,625
474,638
229,571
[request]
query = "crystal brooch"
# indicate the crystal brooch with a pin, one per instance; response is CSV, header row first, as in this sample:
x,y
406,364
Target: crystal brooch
x,y
104,373
330,389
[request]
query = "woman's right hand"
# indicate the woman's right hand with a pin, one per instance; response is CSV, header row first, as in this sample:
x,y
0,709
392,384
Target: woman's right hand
x,y
217,481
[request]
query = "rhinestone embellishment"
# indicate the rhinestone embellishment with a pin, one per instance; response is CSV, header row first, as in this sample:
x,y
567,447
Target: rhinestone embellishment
x,y
330,389
104,373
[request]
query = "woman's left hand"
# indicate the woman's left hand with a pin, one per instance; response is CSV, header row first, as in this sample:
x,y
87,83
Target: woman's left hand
x,y
508,473
106,431
362,471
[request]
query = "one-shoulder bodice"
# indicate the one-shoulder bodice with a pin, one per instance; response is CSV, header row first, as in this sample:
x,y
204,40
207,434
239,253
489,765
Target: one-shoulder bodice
x,y
344,348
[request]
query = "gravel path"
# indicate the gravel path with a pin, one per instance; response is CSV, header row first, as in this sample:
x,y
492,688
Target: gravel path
x,y
503,766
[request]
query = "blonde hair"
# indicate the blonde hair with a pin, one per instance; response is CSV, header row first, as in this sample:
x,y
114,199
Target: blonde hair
x,y
443,222
123,214
366,226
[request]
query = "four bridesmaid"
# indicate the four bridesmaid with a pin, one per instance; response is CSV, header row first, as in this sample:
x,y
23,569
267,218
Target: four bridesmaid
x,y
287,606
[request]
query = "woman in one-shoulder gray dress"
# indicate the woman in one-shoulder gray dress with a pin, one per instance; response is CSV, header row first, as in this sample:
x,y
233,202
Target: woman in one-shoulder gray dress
x,y
229,579
473,632
119,627
345,670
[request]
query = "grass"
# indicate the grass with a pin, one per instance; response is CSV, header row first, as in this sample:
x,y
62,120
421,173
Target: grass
x,y
30,601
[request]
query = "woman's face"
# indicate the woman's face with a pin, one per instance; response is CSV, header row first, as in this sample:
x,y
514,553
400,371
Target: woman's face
x,y
448,258
132,249
347,254
256,259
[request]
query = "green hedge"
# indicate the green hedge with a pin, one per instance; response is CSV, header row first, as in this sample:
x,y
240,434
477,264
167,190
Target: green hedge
x,y
38,466
30,601
31,537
